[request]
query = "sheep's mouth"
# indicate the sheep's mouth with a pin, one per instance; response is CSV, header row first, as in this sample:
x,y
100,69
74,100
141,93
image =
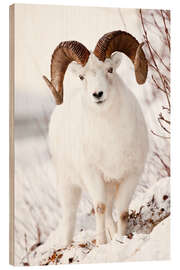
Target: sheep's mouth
x,y
100,101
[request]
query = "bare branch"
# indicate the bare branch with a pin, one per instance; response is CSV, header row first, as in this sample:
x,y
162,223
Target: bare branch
x,y
166,167
160,136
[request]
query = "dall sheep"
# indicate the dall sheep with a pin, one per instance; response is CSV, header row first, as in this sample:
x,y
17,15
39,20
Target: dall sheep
x,y
98,138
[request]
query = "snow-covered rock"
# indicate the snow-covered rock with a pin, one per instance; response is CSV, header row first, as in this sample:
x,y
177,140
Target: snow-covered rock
x,y
148,209
155,246
158,245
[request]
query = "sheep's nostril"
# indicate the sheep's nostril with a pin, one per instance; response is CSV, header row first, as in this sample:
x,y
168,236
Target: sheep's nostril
x,y
98,95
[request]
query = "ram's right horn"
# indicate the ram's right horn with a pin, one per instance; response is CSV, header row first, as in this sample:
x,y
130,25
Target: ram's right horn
x,y
63,55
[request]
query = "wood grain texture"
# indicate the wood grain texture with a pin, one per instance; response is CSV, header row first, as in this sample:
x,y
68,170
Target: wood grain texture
x,y
11,132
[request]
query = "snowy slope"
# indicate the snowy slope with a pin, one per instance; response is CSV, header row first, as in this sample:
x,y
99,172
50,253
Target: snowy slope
x,y
142,244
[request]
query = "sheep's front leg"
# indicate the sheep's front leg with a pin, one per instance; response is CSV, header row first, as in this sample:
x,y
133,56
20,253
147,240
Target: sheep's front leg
x,y
123,198
100,223
97,191
111,226
69,198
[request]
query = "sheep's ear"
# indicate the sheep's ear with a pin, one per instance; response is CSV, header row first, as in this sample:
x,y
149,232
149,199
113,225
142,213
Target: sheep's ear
x,y
75,68
116,59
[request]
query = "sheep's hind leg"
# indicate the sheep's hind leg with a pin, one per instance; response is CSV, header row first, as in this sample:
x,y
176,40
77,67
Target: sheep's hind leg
x,y
111,226
123,198
62,236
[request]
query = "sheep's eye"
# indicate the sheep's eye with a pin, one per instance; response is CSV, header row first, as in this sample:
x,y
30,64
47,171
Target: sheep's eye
x,y
110,70
81,77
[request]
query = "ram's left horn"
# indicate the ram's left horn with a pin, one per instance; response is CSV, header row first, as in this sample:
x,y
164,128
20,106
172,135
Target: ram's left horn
x,y
123,42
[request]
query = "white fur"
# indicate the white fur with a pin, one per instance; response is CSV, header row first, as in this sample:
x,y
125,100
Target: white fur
x,y
100,148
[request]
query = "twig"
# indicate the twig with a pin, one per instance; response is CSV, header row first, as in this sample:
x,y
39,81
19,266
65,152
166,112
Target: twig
x,y
167,168
160,136
165,129
162,118
166,30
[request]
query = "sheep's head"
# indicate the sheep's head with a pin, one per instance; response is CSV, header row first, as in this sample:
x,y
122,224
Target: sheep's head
x,y
97,78
96,70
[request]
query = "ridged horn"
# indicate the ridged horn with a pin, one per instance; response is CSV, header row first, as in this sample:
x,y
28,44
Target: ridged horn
x,y
123,42
63,55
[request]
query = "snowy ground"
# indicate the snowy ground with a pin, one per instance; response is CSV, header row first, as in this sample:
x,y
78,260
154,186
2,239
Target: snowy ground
x,y
151,241
37,209
142,247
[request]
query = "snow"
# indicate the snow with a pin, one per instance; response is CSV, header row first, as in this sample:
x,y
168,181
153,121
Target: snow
x,y
142,247
159,189
136,249
136,246
160,250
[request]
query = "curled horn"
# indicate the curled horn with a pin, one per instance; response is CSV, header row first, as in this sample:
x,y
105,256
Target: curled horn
x,y
124,42
63,55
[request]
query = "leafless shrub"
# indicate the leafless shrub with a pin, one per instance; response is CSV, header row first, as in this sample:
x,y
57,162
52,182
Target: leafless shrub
x,y
158,23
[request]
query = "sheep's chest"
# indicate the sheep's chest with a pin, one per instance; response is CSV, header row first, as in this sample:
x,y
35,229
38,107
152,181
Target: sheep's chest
x,y
110,146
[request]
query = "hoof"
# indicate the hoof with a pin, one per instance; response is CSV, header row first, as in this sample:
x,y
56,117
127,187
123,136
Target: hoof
x,y
101,240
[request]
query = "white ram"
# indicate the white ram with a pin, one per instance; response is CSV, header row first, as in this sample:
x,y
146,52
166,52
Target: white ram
x,y
98,138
